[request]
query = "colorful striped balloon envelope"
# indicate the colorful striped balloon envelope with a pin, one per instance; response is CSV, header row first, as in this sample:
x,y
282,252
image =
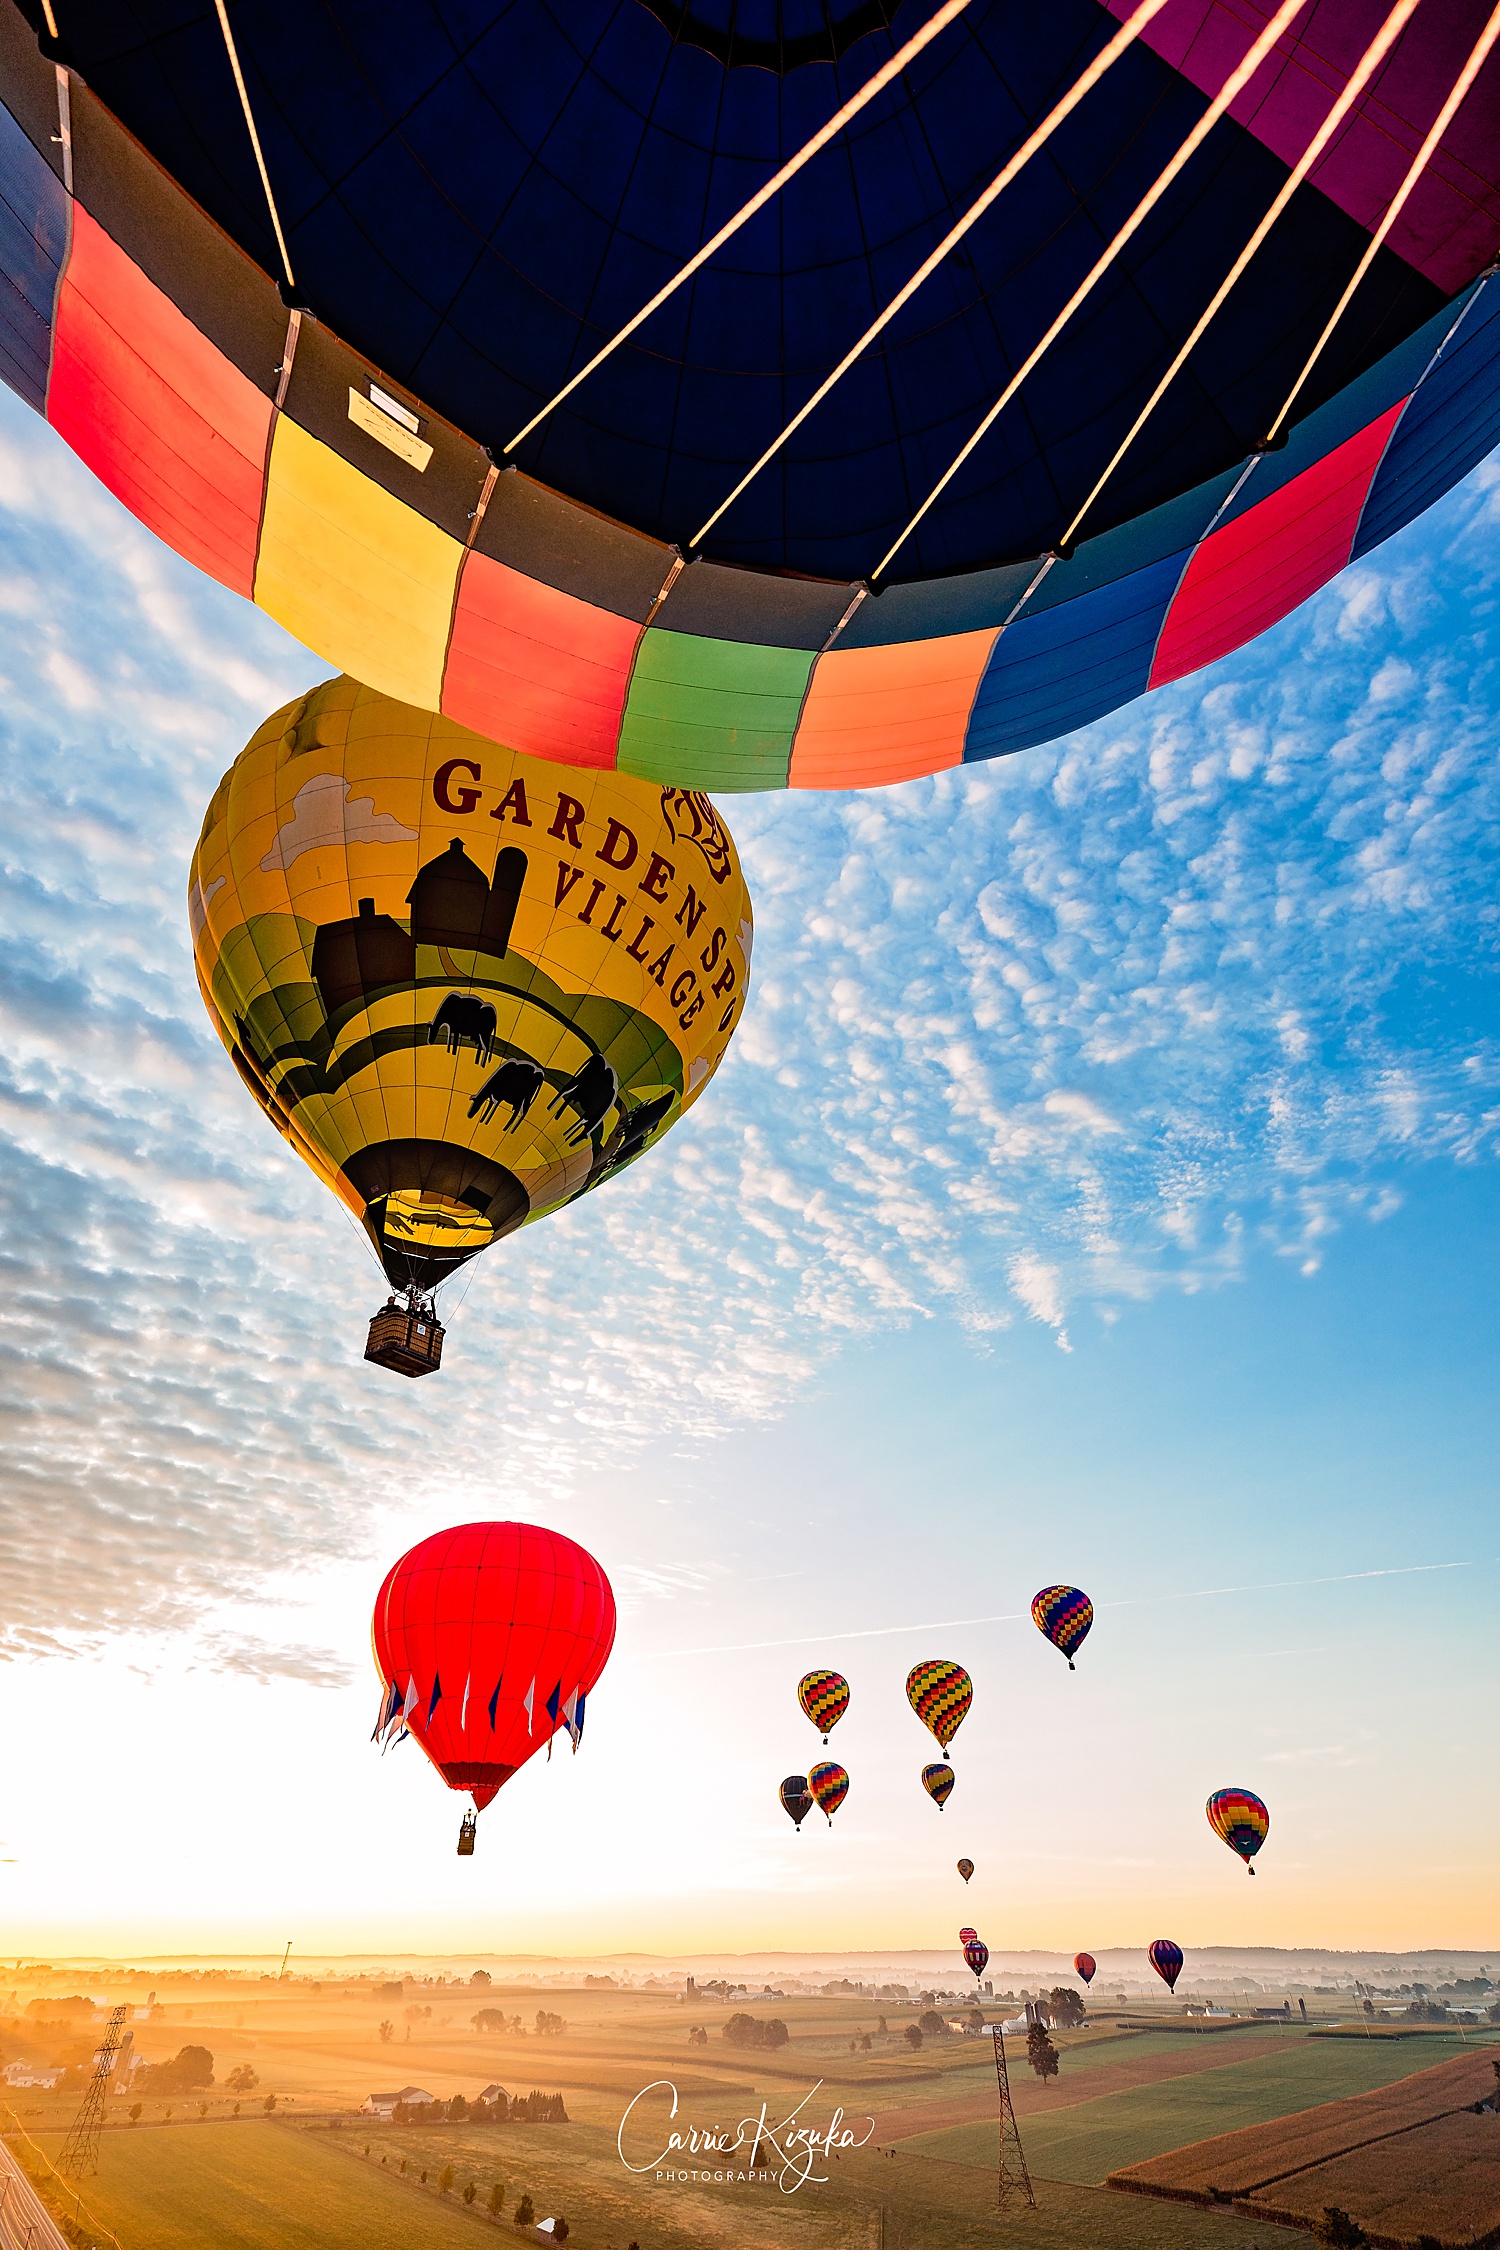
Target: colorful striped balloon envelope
x,y
1240,1819
940,1693
830,1786
938,1783
824,1697
1063,1614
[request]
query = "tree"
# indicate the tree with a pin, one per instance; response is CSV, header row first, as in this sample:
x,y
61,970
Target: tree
x,y
242,2079
865,2042
750,2031
445,2179
190,2070
480,1976
135,2112
490,2019
495,2200
913,2037
387,2031
269,2104
1065,2007
458,2108
549,2027
1040,2052
203,2109
561,2230
525,2213
1337,2230
931,2024
470,2191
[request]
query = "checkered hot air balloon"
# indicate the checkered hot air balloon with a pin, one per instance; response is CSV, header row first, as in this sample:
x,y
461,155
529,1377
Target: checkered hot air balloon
x,y
824,1697
1084,1965
1239,1819
940,1693
1166,1960
1064,1614
976,1953
938,1783
966,1868
830,1786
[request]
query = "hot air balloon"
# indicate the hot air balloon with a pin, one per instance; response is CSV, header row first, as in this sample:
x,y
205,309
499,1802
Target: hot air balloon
x,y
465,986
1064,1615
597,480
830,1786
1084,1965
488,1638
938,1783
940,1693
1166,1960
1239,1819
965,1934
966,1868
976,1953
824,1697
796,1799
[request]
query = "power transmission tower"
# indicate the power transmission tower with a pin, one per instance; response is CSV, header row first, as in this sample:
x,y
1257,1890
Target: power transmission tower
x,y
80,2156
1014,2179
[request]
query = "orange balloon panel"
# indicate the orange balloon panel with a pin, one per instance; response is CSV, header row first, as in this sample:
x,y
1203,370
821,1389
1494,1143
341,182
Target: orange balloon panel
x,y
467,985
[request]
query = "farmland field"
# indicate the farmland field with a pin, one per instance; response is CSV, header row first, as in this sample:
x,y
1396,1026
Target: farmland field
x,y
1442,2178
318,2175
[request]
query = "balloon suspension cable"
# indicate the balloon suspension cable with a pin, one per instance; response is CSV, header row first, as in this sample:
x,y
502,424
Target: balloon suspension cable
x,y
1419,163
1104,61
1229,92
1369,62
778,180
260,161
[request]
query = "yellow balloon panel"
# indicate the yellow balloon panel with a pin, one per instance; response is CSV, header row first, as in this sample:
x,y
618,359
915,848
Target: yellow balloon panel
x,y
466,984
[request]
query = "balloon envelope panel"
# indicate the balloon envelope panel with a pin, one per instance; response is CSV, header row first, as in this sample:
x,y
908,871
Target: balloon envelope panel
x,y
1240,1819
467,986
824,1697
940,1692
478,1630
1166,1959
341,470
1064,1615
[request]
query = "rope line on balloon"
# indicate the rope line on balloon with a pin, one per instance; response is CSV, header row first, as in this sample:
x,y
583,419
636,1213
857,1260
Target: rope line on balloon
x,y
1103,62
1385,38
260,162
1445,116
762,196
1229,92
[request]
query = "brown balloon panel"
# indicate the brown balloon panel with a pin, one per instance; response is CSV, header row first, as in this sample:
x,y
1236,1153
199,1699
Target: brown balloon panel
x,y
468,986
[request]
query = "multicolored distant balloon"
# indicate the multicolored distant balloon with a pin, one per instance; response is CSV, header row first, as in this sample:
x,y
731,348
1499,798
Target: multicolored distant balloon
x,y
1166,1960
488,1638
830,1786
965,1934
976,1953
966,1868
473,479
796,1798
940,1693
824,1697
938,1783
1239,1819
1064,1614
1084,1965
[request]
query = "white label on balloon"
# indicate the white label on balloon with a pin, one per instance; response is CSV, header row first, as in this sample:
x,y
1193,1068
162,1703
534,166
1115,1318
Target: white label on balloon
x,y
388,430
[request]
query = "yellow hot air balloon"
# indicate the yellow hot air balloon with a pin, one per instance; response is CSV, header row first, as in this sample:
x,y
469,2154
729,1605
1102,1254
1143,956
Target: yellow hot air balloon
x,y
467,985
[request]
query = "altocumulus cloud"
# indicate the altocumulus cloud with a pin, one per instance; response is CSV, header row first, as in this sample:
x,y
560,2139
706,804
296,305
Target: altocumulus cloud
x,y
1030,1041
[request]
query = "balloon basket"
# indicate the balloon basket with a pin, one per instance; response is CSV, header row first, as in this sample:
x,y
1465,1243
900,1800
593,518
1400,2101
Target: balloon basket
x,y
406,1338
466,1832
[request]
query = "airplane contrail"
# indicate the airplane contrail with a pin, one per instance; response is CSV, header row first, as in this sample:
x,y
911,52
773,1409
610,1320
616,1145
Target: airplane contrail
x,y
1013,1616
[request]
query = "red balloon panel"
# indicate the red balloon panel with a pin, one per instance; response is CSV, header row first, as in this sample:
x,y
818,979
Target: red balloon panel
x,y
491,1623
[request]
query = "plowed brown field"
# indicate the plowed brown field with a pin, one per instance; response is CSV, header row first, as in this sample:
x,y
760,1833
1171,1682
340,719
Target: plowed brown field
x,y
1441,2178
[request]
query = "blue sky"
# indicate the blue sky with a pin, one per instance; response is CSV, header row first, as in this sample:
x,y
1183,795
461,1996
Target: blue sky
x,y
1102,1186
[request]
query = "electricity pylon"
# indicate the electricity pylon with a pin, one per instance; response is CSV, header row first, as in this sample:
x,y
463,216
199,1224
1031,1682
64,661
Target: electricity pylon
x,y
80,2156
1014,2179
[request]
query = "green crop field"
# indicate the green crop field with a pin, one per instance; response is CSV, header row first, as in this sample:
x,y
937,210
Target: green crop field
x,y
254,2187
1087,2141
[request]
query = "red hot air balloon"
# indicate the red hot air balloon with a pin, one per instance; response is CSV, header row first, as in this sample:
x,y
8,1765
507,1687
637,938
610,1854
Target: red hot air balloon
x,y
965,1935
488,1638
1084,1965
976,1953
1166,1960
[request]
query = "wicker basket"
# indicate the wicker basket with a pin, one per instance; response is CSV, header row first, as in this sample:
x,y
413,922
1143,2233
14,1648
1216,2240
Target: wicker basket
x,y
405,1338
